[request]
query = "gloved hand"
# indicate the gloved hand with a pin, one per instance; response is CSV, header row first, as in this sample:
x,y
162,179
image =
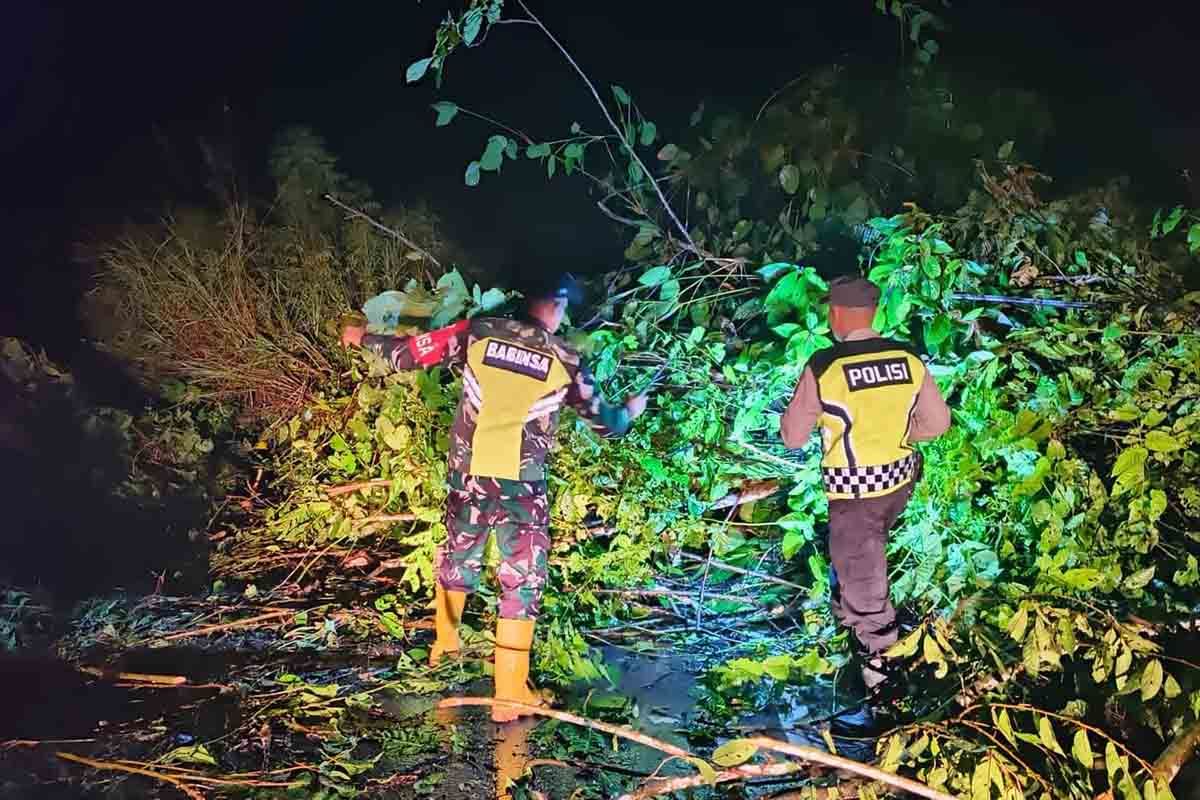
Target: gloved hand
x,y
636,405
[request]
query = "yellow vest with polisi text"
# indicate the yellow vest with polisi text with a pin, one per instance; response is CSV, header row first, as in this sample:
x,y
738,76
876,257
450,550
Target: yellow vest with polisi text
x,y
868,389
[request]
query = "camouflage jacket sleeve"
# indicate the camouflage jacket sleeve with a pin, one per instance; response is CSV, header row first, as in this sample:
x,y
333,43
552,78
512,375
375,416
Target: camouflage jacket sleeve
x,y
604,417
444,347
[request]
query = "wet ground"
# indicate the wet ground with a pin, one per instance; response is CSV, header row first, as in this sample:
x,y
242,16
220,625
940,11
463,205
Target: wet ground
x,y
47,699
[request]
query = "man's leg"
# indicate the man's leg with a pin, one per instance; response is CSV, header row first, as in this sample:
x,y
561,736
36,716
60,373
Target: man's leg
x,y
459,562
524,541
858,531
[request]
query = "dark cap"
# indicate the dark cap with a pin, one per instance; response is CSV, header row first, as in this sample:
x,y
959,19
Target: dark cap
x,y
561,286
853,293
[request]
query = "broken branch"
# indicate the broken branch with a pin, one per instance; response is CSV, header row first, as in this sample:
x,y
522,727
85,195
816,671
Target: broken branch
x,y
721,565
815,756
746,771
604,727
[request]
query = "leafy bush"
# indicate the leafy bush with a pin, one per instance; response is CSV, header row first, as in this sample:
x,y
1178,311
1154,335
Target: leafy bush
x,y
243,305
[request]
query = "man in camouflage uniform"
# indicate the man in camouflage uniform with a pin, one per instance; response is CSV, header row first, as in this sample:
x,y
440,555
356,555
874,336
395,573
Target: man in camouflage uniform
x,y
516,375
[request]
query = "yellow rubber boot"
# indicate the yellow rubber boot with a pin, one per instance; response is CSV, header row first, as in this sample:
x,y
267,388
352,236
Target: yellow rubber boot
x,y
448,609
514,637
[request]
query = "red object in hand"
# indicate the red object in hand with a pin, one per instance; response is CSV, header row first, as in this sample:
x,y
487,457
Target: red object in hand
x,y
428,348
352,335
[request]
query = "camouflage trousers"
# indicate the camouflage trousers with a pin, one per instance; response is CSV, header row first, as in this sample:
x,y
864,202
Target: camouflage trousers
x,y
519,514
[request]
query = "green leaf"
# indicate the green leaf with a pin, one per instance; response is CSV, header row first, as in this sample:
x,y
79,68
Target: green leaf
x,y
1158,504
1005,150
493,154
1172,220
472,176
1018,624
1130,468
649,133
510,148
492,298
1005,725
537,150
787,329
446,111
770,272
891,758
472,22
707,773
933,655
1112,761
1081,748
939,330
789,178
907,646
1139,579
778,667
734,753
191,754
1162,442
1152,679
621,95
417,69
1047,737
655,276
1171,687
551,163
1194,238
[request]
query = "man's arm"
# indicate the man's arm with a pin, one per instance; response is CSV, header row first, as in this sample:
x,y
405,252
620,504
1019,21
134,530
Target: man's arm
x,y
604,417
930,415
796,425
443,346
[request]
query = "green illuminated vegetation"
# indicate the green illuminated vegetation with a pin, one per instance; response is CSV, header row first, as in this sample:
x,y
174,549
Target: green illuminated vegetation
x,y
1048,560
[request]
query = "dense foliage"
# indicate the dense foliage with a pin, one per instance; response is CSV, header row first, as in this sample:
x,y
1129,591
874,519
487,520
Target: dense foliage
x,y
1049,558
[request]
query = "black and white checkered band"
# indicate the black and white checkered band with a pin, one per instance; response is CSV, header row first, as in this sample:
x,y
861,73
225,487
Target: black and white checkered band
x,y
867,480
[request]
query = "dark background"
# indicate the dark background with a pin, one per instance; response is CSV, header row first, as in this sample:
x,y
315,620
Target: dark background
x,y
103,105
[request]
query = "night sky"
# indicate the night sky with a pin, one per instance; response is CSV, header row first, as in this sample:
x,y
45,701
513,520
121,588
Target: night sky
x,y
104,103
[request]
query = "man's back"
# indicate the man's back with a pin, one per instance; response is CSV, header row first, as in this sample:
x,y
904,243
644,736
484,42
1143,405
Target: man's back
x,y
516,378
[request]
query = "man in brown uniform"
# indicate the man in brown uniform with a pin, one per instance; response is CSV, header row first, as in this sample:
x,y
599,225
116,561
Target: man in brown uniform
x,y
872,398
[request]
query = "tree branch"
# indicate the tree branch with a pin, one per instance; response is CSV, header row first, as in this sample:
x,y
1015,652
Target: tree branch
x,y
721,565
604,727
354,212
744,772
1178,753
815,756
687,237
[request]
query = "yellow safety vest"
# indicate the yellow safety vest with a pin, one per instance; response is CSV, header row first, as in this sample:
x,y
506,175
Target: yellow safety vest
x,y
868,389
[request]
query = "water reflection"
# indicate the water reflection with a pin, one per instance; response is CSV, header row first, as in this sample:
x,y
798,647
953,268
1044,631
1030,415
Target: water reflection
x,y
511,753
